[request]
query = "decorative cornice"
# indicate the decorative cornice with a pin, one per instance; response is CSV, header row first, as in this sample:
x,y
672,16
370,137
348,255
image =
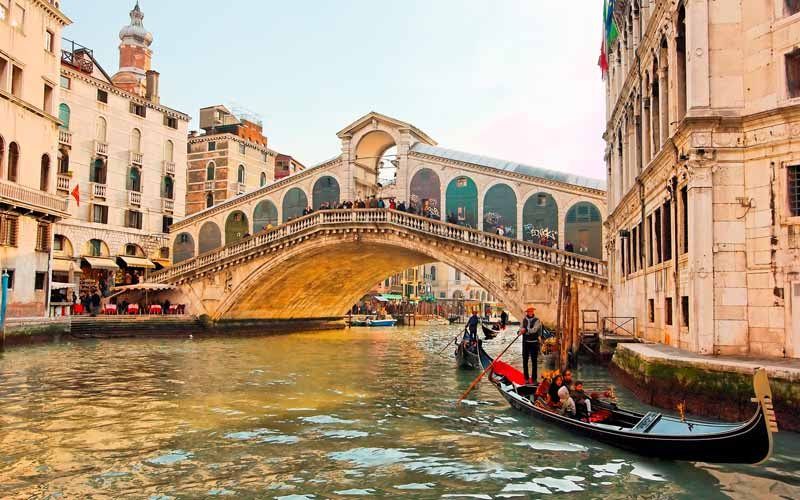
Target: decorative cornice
x,y
67,71
513,175
54,12
227,135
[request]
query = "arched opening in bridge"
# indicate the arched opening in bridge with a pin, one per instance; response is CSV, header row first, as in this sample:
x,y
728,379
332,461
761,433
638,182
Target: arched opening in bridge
x,y
584,230
183,248
376,152
500,210
209,238
426,193
325,193
462,201
294,202
235,227
264,215
540,220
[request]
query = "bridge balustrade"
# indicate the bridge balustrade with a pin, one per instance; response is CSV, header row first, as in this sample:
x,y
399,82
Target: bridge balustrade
x,y
527,250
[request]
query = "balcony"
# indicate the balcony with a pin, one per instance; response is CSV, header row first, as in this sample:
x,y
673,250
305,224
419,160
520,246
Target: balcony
x,y
239,188
64,137
134,198
33,200
169,167
100,148
209,185
136,158
167,205
97,190
62,182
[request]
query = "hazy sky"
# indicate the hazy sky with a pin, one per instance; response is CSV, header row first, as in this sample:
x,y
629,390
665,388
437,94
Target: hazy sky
x,y
513,79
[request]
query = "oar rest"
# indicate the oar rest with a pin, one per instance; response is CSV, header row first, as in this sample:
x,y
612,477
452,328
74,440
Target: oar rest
x,y
647,422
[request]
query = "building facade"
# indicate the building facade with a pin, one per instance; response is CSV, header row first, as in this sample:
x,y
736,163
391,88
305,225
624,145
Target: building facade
x,y
228,159
30,48
122,157
703,157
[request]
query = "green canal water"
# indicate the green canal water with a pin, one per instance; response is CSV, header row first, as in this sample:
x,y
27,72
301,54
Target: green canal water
x,y
348,414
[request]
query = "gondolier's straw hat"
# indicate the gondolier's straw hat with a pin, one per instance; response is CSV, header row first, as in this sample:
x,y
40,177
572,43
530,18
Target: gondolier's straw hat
x,y
530,309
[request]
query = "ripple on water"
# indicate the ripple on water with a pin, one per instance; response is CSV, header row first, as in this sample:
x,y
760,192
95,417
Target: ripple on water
x,y
552,446
416,486
355,492
344,434
327,419
171,458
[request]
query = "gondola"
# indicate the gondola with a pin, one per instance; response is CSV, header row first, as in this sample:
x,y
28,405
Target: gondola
x,y
452,319
467,358
653,434
489,333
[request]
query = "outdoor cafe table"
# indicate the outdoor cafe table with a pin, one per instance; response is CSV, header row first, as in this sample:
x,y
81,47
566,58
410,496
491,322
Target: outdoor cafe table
x,y
173,309
155,309
110,309
133,308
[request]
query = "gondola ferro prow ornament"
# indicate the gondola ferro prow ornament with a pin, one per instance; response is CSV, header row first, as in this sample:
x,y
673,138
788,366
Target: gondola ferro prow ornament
x,y
764,398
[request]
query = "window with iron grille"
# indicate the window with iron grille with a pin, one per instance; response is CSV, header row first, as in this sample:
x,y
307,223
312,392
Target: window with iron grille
x,y
102,96
685,311
43,237
793,190
170,121
668,311
651,310
39,280
138,109
133,219
667,230
9,229
10,273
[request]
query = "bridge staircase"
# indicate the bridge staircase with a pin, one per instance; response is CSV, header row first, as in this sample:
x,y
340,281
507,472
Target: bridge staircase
x,y
124,326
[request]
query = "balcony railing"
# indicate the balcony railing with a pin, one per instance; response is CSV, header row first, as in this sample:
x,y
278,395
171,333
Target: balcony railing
x,y
62,182
32,198
239,188
100,148
64,137
167,205
136,158
135,198
97,190
169,167
209,185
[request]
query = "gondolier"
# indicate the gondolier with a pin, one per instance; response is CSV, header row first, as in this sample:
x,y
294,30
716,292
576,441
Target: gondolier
x,y
531,331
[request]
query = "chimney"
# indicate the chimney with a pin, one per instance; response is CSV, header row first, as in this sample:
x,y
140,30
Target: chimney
x,y
151,86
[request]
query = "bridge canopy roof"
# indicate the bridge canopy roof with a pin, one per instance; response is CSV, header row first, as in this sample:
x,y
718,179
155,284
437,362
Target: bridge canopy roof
x,y
510,166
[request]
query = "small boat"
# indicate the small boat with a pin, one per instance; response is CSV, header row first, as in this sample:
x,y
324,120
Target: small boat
x,y
360,319
653,434
381,322
467,358
490,333
452,319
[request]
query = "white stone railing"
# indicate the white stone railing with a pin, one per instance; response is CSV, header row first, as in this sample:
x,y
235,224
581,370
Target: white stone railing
x,y
135,198
98,190
32,198
369,217
136,158
64,137
167,205
169,167
62,182
100,148
209,185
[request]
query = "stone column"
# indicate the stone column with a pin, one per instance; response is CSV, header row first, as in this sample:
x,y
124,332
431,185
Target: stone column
x,y
698,93
520,213
348,188
701,256
645,128
655,121
663,94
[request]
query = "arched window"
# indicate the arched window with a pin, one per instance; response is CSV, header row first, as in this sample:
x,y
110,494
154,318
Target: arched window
x,y
63,115
540,220
209,200
183,248
63,161
210,171
136,141
169,151
294,202
264,215
13,161
134,179
462,201
102,126
209,237
263,180
168,188
326,192
500,210
584,230
97,248
426,196
98,171
44,179
433,273
236,227
240,175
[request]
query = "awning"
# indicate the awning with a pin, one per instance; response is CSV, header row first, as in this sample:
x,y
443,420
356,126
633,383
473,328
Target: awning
x,y
140,262
141,287
391,296
106,263
61,286
380,298
63,265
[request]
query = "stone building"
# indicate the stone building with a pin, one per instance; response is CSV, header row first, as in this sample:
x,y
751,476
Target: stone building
x,y
30,45
125,154
230,158
703,157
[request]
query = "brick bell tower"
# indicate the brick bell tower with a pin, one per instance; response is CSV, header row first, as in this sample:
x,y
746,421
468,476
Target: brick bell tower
x,y
134,55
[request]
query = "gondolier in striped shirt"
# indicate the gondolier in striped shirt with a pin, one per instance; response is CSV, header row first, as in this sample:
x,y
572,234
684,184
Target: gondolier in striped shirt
x,y
531,331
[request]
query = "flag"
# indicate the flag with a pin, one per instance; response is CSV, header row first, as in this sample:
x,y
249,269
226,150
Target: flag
x,y
76,193
610,34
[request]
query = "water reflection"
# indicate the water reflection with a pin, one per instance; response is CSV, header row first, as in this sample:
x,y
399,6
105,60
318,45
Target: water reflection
x,y
332,415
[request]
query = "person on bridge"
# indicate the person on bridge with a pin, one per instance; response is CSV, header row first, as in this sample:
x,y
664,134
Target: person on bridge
x,y
531,330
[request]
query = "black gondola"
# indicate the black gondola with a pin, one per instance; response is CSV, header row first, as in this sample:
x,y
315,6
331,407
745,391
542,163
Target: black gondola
x,y
654,434
467,358
488,333
452,319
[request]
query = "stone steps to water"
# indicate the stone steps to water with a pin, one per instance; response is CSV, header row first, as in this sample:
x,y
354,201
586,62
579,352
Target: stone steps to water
x,y
133,326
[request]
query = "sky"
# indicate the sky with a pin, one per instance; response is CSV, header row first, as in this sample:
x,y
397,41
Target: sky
x,y
512,79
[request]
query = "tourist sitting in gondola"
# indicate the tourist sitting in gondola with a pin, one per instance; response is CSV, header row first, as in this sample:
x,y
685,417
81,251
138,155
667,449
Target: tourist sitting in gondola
x,y
552,392
583,402
565,403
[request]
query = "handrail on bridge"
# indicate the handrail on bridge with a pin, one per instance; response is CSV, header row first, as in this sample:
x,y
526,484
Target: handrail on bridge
x,y
573,262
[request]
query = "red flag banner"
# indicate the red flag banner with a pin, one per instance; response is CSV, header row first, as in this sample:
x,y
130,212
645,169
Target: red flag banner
x,y
76,193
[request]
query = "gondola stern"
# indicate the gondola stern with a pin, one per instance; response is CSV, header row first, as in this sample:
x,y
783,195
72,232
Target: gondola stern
x,y
763,396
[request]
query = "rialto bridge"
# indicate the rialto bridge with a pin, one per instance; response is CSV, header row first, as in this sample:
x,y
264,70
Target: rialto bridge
x,y
256,256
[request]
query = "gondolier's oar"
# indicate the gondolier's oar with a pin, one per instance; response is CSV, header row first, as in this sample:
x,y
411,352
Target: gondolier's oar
x,y
478,379
455,339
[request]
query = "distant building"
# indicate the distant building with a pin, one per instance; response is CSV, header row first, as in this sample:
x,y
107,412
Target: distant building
x,y
703,157
285,166
125,153
30,46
